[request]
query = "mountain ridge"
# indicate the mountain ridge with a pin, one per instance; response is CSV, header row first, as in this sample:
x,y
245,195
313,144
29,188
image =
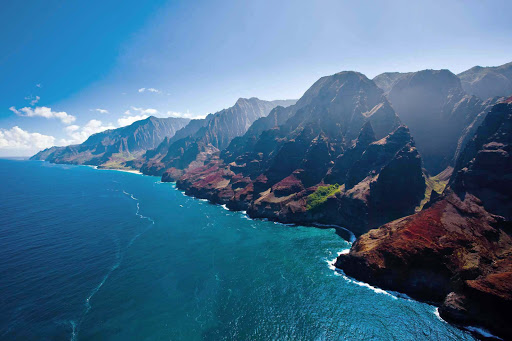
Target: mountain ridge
x,y
112,148
458,251
202,138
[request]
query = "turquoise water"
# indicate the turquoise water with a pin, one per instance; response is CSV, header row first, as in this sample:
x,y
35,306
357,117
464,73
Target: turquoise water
x,y
91,254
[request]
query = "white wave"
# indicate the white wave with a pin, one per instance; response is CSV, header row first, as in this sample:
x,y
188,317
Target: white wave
x,y
436,312
366,285
339,272
73,330
285,224
76,325
224,207
137,213
483,332
330,263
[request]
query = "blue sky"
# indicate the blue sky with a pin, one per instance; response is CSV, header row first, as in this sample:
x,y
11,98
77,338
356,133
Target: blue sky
x,y
72,68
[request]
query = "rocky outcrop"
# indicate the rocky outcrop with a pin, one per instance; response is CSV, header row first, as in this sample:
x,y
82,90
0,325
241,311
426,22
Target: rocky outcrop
x,y
201,139
334,157
458,251
486,82
433,104
115,147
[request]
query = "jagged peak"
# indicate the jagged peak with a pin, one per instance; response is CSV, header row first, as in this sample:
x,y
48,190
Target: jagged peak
x,y
367,134
243,100
400,135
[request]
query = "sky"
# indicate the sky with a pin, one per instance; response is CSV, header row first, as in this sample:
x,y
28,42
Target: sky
x,y
69,69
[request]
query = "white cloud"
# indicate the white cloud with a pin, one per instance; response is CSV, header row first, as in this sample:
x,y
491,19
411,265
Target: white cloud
x,y
23,142
44,112
101,111
125,121
79,134
38,85
33,100
142,111
153,90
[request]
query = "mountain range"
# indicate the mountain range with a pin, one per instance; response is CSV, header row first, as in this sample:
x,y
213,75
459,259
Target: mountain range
x,y
114,147
201,139
457,251
416,164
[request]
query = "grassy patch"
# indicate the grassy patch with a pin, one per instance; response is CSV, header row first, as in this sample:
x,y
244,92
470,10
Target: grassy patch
x,y
317,198
117,161
433,183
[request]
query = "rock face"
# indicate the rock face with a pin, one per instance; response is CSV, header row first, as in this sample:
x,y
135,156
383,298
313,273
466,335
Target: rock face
x,y
458,251
334,157
486,82
200,139
436,109
113,148
386,80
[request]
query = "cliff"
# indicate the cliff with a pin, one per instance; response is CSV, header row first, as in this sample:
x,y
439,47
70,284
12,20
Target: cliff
x,y
433,104
334,157
458,251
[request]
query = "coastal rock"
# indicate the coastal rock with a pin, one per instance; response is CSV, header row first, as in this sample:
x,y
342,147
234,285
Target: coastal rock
x,y
458,251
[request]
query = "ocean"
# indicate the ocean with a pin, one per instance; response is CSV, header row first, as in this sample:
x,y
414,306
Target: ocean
x,y
89,254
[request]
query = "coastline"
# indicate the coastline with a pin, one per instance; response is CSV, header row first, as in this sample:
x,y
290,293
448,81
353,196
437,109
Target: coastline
x,y
133,171
478,331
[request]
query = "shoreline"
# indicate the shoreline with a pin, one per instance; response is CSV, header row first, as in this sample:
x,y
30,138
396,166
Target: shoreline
x,y
476,331
133,171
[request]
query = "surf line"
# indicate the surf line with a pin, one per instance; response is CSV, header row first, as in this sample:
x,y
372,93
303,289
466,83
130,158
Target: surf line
x,y
75,325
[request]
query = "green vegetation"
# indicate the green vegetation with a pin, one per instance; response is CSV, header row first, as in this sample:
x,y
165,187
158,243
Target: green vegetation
x,y
433,183
118,161
317,198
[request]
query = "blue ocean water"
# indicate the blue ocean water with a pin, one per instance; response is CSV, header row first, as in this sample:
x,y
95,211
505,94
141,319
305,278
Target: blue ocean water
x,y
90,254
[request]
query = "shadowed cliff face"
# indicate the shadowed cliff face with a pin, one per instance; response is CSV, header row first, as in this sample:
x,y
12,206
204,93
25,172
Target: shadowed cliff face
x,y
458,251
485,82
201,139
334,157
113,148
436,109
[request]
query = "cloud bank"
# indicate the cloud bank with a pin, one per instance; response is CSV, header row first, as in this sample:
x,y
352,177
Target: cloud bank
x,y
125,121
79,134
44,112
18,139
